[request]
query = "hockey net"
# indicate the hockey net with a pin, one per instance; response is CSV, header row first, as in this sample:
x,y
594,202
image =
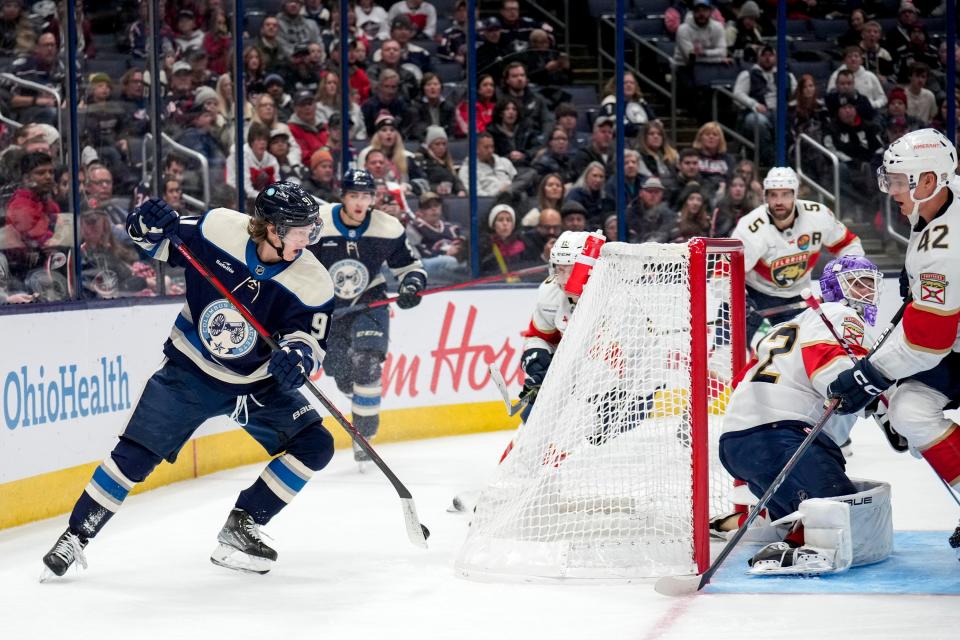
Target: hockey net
x,y
616,472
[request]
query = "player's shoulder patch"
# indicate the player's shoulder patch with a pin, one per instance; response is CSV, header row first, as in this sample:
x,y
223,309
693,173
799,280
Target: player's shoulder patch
x,y
852,330
227,230
307,279
933,287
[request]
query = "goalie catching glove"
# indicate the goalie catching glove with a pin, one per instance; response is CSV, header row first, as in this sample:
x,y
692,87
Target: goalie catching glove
x,y
289,366
153,221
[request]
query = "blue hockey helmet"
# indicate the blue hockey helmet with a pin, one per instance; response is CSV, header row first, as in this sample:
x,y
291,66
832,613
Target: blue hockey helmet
x,y
853,279
359,181
286,206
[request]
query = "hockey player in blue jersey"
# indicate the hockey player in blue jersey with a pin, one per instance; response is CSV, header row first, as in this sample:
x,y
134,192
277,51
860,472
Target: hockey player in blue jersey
x,y
356,241
217,365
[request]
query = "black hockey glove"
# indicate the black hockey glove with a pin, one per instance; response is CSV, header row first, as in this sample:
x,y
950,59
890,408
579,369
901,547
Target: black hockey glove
x,y
857,386
153,221
288,366
409,294
535,363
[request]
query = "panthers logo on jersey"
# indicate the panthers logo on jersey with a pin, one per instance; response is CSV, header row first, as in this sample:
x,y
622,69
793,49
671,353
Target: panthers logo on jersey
x,y
350,278
224,332
787,270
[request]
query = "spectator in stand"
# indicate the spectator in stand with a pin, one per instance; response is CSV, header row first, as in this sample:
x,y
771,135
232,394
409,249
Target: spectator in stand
x,y
517,28
756,92
172,192
328,104
744,38
921,103
549,227
42,66
431,109
98,194
305,68
268,43
808,114
391,58
511,137
501,249
253,67
422,14
866,82
188,36
918,50
179,99
104,128
436,164
266,114
199,68
716,165
486,101
17,35
322,181
107,266
657,156
688,170
735,203
493,48
748,171
937,80
876,59
896,117
701,39
135,40
636,113
611,230
283,101
453,40
133,103
574,216
859,145
554,158
533,107
294,28
899,35
550,195
632,180
400,162
217,42
846,86
694,215
403,30
494,173
259,165
566,117
547,66
306,126
372,19
854,33
588,190
375,161
679,12
600,148
315,11
335,142
650,219
279,148
198,136
386,98
442,248
31,212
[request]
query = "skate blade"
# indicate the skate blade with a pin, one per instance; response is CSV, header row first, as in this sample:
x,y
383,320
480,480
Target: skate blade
x,y
229,558
363,465
47,575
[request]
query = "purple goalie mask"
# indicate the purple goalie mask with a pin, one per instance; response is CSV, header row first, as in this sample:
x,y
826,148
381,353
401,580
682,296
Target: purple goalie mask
x,y
854,280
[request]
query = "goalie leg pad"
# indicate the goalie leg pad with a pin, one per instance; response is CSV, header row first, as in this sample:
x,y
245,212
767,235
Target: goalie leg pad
x,y
871,521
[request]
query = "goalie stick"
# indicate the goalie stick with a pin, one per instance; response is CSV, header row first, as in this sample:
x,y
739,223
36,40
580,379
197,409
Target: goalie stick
x,y
497,378
416,531
687,585
814,304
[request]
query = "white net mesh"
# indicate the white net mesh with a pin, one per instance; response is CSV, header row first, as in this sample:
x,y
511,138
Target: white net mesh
x,y
598,484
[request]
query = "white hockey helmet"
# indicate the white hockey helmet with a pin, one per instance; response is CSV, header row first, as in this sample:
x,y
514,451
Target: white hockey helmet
x,y
912,155
782,178
567,247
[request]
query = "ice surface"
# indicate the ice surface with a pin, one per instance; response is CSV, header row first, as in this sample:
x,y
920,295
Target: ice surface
x,y
346,570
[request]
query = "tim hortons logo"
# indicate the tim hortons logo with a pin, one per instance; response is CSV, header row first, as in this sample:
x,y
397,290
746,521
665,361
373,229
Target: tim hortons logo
x,y
933,288
787,270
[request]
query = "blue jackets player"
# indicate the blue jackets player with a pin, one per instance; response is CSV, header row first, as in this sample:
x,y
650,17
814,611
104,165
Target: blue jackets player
x,y
356,242
217,365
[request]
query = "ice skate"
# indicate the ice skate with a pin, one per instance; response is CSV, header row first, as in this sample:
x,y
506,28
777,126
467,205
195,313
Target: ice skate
x,y
360,456
786,558
955,541
241,546
67,550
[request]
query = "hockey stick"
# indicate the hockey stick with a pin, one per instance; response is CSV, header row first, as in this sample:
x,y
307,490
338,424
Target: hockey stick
x,y
416,531
685,585
772,311
497,378
343,311
811,300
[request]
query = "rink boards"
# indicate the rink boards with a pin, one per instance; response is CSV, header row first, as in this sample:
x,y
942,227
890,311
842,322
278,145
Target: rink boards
x,y
71,378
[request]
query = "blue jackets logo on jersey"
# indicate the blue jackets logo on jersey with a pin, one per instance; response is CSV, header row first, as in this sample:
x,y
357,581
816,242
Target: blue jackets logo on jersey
x,y
350,278
224,332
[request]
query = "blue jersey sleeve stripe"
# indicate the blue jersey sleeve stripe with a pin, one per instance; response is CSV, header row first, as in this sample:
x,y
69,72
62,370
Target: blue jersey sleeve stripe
x,y
108,485
287,477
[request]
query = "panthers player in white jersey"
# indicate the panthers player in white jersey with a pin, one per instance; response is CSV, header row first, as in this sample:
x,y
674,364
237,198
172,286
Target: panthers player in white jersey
x,y
921,352
781,395
782,240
